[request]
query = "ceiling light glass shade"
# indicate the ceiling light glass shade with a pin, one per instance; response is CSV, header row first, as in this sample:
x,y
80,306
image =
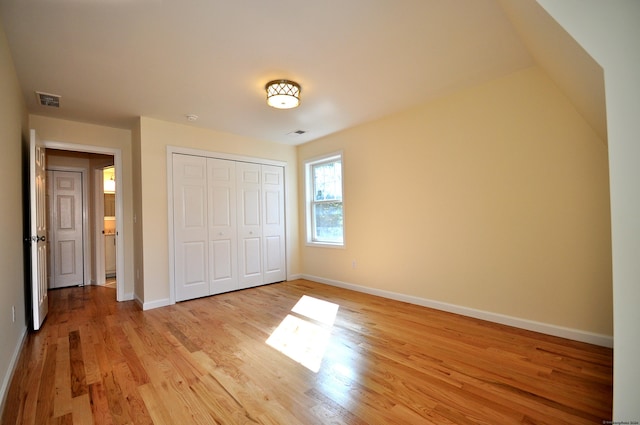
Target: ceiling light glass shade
x,y
109,186
283,94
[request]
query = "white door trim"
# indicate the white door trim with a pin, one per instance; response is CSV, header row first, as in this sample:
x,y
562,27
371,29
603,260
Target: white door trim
x,y
220,155
208,154
117,163
86,249
98,203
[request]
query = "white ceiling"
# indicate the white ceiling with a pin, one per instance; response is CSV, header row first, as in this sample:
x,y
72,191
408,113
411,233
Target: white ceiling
x,y
356,60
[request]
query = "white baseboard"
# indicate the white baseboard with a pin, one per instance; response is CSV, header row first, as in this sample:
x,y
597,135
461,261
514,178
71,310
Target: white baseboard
x,y
294,277
149,305
6,381
138,301
531,325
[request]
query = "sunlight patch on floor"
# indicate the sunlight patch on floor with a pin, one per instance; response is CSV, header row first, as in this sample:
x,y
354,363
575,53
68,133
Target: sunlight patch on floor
x,y
304,337
320,310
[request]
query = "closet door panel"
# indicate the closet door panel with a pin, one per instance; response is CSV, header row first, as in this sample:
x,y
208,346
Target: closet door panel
x,y
222,226
249,224
251,254
191,271
273,245
195,260
273,228
221,261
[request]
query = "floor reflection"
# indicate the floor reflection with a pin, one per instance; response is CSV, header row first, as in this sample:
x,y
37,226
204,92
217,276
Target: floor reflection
x,y
304,335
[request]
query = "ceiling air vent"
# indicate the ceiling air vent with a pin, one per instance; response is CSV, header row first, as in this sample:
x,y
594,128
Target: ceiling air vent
x,y
48,99
297,133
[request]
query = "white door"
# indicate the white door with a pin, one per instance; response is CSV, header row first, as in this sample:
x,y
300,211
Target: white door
x,y
191,239
38,230
223,250
273,224
67,249
249,224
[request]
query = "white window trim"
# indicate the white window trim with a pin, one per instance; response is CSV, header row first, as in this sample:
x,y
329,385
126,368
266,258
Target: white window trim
x,y
308,182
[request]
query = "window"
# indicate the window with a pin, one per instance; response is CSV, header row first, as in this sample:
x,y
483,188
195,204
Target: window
x,y
325,213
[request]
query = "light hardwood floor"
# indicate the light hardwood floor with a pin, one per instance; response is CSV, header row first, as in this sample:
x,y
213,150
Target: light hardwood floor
x,y
206,361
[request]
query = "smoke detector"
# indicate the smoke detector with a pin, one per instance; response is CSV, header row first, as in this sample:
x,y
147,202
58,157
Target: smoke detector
x,y
48,99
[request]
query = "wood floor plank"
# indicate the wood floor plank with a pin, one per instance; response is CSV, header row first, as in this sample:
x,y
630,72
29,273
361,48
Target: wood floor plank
x,y
82,413
207,361
158,411
99,404
62,399
78,374
92,371
136,409
28,392
66,419
46,390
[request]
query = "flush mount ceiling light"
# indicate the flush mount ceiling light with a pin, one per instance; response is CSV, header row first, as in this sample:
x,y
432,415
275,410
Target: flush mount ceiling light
x,y
283,94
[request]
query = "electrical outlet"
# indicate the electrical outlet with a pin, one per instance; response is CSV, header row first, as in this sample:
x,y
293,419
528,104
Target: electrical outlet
x,y
13,314
354,264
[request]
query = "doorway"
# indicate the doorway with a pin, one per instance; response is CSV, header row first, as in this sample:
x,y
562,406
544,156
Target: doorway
x,y
92,160
109,227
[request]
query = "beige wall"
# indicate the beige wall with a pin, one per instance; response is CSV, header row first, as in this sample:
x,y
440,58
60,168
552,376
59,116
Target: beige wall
x,y
155,136
495,198
13,119
610,33
72,132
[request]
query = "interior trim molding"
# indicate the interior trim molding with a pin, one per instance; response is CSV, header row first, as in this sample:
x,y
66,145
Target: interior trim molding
x,y
531,325
6,381
149,305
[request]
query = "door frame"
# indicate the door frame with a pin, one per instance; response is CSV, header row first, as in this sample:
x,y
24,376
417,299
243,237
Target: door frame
x,y
217,155
86,248
98,216
117,163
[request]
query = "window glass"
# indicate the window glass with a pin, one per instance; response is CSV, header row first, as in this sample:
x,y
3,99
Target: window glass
x,y
325,213
327,181
328,222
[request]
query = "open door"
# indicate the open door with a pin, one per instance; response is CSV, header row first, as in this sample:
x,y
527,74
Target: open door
x,y
38,230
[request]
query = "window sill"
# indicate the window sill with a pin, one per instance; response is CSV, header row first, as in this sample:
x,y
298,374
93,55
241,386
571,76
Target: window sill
x,y
326,245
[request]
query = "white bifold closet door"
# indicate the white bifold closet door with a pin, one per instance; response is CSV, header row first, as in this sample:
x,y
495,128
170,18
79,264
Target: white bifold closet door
x,y
190,234
249,224
261,254
223,244
228,225
273,224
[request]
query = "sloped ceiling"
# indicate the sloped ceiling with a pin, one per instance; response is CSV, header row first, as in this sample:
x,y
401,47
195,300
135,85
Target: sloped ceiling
x,y
357,60
577,74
